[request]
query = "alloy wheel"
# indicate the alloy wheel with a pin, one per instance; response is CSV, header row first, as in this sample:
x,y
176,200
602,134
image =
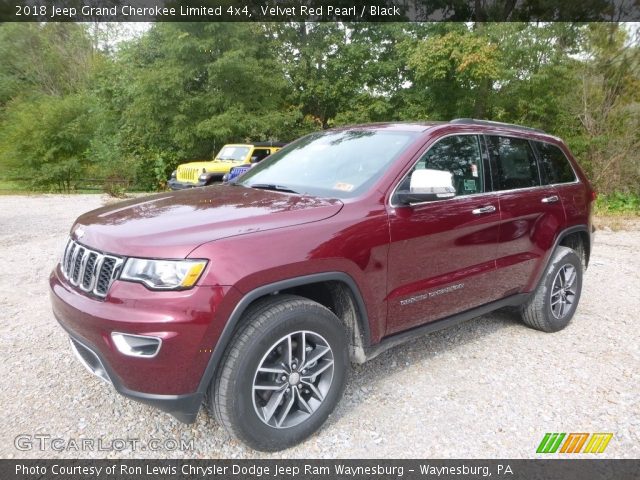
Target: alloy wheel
x,y
563,291
293,379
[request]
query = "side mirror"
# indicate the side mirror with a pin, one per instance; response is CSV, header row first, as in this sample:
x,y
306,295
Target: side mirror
x,y
427,185
254,159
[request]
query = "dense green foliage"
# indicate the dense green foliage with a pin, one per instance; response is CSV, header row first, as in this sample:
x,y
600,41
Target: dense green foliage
x,y
76,105
618,203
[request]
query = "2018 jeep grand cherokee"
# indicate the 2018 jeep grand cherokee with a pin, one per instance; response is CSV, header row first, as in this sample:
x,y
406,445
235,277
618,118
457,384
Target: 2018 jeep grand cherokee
x,y
255,297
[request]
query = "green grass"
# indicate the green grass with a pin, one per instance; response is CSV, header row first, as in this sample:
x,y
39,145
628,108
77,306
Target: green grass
x,y
618,204
17,187
12,187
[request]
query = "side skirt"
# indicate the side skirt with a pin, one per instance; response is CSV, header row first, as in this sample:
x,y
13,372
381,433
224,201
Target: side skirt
x,y
402,337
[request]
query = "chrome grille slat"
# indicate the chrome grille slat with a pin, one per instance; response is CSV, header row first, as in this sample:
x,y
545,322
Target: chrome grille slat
x,y
65,255
106,273
88,269
69,261
86,279
97,265
83,266
75,265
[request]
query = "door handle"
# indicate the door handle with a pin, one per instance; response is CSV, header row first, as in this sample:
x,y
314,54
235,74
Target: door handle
x,y
551,199
487,209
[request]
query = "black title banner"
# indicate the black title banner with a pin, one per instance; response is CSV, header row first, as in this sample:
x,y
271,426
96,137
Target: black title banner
x,y
318,10
318,469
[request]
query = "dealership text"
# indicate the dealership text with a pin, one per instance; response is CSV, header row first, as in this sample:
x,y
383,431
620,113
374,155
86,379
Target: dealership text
x,y
211,470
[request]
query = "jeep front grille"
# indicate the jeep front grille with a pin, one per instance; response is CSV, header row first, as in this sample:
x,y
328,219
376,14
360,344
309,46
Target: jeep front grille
x,y
89,270
188,174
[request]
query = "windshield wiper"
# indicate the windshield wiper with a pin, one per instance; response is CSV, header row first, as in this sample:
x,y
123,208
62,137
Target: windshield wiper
x,y
271,186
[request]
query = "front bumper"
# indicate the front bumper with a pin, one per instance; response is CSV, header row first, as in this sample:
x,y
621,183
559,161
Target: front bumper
x,y
189,323
174,184
184,408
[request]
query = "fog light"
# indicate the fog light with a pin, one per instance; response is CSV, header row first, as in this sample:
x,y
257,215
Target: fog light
x,y
136,345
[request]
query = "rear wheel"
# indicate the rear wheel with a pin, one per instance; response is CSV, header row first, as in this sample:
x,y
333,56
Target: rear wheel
x,y
283,373
554,302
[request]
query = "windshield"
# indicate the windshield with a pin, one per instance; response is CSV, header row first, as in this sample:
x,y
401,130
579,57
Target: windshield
x,y
233,153
334,164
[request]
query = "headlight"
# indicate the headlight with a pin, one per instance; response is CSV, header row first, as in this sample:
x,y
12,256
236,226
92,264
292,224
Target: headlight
x,y
204,176
174,173
163,274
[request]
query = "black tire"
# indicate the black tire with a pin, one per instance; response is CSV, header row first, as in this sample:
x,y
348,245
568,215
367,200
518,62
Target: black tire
x,y
548,309
231,393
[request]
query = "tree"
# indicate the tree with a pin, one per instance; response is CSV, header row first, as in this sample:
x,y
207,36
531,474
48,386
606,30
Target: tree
x,y
45,139
456,71
74,102
49,58
183,90
607,104
46,120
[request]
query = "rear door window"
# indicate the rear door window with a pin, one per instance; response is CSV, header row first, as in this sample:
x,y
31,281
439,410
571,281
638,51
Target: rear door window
x,y
513,163
554,164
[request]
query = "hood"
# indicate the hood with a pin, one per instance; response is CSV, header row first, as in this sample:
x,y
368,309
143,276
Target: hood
x,y
170,225
210,165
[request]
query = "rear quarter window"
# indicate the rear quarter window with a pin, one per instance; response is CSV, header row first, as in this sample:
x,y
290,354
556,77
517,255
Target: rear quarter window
x,y
554,164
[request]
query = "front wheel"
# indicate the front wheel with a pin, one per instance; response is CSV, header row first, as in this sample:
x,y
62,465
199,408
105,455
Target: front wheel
x,y
554,302
283,373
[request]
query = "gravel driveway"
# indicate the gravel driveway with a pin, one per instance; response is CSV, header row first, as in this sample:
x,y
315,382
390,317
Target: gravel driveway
x,y
487,388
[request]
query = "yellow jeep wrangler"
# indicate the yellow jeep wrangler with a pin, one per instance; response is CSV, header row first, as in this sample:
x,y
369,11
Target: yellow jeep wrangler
x,y
205,172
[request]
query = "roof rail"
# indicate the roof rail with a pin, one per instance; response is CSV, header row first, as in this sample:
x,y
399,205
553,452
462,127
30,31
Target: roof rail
x,y
473,121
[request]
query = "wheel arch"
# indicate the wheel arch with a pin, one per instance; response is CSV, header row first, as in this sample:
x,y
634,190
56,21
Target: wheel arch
x,y
336,291
578,239
569,237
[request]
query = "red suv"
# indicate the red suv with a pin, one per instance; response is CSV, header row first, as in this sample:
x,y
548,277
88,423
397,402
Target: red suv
x,y
254,297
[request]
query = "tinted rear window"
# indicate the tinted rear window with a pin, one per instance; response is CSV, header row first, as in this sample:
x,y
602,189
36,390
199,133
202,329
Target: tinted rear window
x,y
555,165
